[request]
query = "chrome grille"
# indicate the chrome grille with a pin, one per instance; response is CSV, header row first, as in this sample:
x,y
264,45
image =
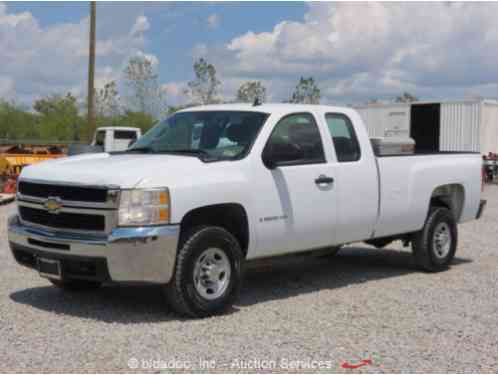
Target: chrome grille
x,y
64,192
83,209
63,220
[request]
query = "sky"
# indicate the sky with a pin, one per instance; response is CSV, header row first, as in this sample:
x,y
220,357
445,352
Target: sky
x,y
355,51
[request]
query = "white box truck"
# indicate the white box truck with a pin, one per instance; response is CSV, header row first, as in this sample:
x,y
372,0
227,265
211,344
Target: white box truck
x,y
468,125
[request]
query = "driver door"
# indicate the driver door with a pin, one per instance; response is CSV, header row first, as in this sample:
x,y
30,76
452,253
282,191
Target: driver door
x,y
296,208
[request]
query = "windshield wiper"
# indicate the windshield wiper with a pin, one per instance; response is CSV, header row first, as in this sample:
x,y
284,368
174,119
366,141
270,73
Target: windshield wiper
x,y
201,154
193,151
145,149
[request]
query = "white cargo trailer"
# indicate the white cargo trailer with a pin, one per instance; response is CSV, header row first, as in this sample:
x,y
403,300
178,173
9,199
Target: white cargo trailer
x,y
468,125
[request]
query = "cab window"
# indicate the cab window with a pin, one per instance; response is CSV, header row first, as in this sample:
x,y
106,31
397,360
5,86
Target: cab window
x,y
125,134
296,140
346,144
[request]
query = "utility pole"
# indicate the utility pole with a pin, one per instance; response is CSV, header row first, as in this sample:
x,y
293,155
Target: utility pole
x,y
91,73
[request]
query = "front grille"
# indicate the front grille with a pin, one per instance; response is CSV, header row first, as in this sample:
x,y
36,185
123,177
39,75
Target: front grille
x,y
68,193
63,220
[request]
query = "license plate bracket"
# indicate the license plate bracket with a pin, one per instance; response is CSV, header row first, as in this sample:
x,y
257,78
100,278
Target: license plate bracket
x,y
49,268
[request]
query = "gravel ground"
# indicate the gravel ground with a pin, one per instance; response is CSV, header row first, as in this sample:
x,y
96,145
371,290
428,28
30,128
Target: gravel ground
x,y
362,304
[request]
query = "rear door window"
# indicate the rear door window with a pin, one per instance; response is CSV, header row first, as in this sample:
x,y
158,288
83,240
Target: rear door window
x,y
346,143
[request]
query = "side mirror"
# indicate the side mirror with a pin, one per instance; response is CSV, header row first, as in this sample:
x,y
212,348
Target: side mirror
x,y
281,154
268,160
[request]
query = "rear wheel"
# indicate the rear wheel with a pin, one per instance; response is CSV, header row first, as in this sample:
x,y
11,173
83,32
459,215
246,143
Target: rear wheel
x,y
207,273
76,285
435,245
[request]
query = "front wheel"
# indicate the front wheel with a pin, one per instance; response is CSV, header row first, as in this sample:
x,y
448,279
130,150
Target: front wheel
x,y
435,245
207,274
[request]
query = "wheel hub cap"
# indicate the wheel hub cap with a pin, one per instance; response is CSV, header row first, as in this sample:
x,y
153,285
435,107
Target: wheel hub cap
x,y
212,273
442,240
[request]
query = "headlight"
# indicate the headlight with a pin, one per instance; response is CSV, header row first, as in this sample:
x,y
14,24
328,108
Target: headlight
x,y
144,207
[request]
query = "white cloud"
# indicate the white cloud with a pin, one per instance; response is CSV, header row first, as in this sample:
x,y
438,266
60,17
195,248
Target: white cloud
x,y
175,93
359,50
141,25
213,21
355,51
38,60
6,87
13,19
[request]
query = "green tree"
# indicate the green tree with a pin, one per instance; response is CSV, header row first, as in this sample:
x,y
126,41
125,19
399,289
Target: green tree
x,y
16,122
142,79
306,92
58,118
107,105
141,120
250,91
204,88
107,101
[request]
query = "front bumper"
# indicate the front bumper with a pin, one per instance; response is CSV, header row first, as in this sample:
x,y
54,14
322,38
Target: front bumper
x,y
139,254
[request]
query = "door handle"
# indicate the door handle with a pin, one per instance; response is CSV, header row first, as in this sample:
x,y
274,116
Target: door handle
x,y
322,179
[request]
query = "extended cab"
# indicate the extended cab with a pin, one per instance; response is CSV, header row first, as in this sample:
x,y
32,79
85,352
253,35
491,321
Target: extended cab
x,y
213,186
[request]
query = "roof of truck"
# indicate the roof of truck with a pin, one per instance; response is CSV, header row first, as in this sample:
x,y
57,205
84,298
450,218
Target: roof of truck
x,y
265,107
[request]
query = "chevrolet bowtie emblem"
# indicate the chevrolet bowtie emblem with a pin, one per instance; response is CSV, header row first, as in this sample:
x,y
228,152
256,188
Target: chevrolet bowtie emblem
x,y
53,205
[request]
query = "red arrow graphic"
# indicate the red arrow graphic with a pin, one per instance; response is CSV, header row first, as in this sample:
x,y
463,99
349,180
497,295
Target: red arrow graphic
x,y
363,362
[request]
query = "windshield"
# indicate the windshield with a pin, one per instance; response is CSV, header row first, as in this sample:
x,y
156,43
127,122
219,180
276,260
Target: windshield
x,y
207,134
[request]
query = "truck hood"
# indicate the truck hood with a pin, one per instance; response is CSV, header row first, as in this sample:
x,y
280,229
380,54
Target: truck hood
x,y
125,171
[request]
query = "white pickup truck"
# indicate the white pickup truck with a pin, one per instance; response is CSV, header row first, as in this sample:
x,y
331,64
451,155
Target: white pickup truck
x,y
213,186
107,139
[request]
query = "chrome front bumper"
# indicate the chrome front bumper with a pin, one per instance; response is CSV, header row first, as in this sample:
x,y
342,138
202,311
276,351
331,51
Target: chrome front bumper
x,y
141,254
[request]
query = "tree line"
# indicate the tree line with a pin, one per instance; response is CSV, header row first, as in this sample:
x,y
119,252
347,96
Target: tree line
x,y
60,117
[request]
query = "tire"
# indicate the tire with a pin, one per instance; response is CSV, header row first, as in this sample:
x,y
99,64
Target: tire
x,y
193,290
435,245
76,285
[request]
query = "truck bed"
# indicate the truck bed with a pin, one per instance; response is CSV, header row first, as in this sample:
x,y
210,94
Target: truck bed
x,y
423,153
406,184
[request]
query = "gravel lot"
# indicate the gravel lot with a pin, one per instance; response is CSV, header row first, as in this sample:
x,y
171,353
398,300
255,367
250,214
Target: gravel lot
x,y
362,304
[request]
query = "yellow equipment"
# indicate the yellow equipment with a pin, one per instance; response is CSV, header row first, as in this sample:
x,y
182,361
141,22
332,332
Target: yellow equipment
x,y
15,157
